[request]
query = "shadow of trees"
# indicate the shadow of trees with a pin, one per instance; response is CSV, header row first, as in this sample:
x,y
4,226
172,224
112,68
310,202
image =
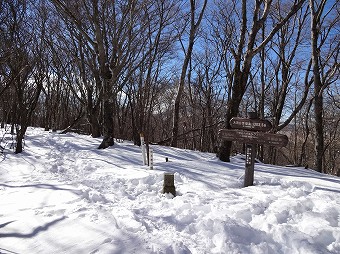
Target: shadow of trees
x,y
34,232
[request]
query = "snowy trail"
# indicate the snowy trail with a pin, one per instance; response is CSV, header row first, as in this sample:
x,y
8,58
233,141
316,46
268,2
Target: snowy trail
x,y
62,195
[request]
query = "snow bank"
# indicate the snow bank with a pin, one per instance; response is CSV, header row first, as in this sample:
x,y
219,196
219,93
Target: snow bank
x,y
62,195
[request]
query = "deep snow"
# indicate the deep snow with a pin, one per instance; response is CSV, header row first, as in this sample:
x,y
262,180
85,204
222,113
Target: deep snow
x,y
62,195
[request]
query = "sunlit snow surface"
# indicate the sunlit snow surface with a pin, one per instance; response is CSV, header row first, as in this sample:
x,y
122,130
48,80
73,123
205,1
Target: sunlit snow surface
x,y
63,195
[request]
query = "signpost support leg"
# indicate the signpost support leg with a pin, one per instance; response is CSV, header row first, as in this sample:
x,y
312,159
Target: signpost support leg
x,y
249,169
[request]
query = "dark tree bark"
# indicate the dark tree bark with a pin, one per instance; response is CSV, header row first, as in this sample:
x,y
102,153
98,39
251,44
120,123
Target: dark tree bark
x,y
318,86
105,75
323,72
303,154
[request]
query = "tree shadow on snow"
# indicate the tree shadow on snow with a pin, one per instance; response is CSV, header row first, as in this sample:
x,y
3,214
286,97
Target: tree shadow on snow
x,y
43,186
5,224
6,251
35,231
212,179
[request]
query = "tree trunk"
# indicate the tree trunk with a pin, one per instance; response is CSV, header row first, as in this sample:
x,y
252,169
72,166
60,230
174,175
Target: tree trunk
x,y
19,139
302,159
238,91
95,126
318,97
106,75
319,138
107,118
47,119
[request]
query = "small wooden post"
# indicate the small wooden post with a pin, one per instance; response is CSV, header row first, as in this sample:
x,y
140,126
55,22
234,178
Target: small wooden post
x,y
147,149
151,158
250,158
169,184
143,148
249,168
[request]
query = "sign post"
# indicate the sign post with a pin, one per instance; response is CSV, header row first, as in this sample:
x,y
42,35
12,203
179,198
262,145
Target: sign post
x,y
252,131
151,158
249,168
143,148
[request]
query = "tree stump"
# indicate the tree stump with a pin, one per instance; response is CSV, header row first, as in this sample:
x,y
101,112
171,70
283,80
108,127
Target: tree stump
x,y
169,184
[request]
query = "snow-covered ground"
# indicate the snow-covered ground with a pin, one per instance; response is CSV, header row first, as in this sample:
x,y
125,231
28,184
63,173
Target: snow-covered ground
x,y
62,195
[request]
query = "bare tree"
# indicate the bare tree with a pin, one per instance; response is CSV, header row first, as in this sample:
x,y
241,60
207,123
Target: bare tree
x,y
247,47
205,94
113,31
194,25
82,76
144,84
25,65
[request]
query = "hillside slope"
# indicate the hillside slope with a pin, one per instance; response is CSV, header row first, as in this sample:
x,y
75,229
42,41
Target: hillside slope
x,y
62,195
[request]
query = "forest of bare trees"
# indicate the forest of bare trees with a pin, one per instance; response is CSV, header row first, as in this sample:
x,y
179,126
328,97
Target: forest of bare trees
x,y
177,71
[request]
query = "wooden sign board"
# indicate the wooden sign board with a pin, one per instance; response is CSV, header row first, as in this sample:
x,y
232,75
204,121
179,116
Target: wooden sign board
x,y
250,124
251,137
251,131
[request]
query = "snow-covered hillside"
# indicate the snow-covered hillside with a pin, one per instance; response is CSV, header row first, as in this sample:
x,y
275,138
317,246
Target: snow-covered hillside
x,y
63,195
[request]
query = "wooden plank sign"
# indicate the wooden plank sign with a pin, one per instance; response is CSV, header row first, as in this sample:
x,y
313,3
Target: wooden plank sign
x,y
250,124
251,131
251,137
